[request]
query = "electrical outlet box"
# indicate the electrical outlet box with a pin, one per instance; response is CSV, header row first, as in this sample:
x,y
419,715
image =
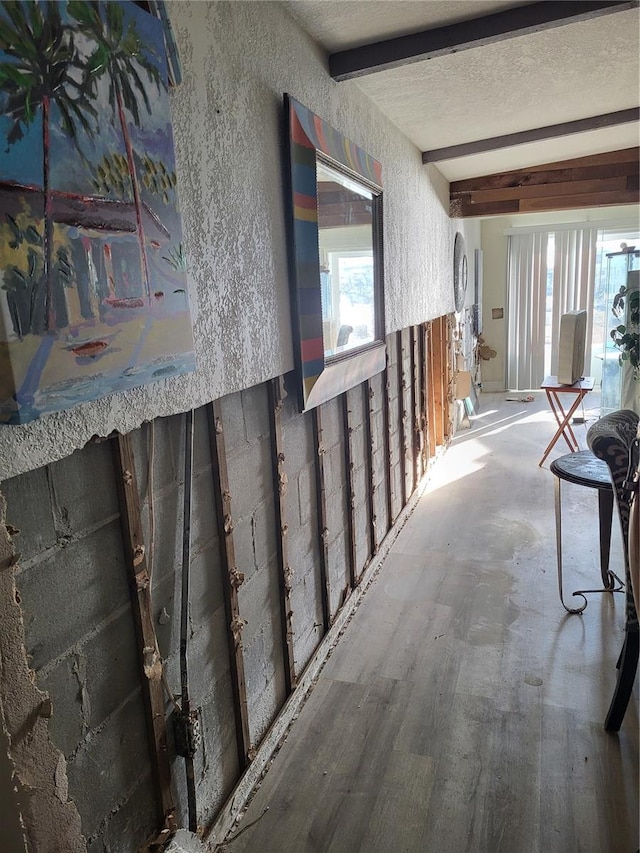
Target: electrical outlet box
x,y
187,732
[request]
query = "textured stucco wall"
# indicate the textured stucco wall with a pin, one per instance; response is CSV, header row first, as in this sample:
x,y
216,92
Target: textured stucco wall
x,y
238,59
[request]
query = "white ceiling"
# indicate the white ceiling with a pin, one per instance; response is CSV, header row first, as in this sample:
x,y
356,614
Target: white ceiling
x,y
570,72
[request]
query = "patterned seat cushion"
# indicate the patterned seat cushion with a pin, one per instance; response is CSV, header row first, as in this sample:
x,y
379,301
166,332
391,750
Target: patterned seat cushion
x,y
612,439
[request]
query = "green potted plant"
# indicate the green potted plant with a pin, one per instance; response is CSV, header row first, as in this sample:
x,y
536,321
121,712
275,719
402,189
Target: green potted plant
x,y
626,335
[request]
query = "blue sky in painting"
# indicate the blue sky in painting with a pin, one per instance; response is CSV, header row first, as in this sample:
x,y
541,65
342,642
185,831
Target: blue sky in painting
x,y
23,161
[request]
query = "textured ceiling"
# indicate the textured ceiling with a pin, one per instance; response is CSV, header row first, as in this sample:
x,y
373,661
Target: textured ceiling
x,y
339,25
570,72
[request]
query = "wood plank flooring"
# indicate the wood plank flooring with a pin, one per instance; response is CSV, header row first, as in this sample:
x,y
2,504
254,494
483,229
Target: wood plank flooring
x,y
463,710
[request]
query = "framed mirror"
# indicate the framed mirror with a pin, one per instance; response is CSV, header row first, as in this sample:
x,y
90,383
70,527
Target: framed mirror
x,y
335,257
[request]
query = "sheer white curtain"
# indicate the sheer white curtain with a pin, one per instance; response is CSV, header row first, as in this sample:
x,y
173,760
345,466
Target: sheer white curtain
x,y
527,287
573,283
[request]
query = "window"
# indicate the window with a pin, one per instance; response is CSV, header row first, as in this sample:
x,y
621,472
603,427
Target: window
x,y
550,272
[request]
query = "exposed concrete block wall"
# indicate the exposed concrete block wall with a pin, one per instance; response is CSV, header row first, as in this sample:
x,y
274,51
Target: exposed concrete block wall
x,y
80,636
407,409
336,503
73,605
379,460
303,531
216,765
395,439
249,462
74,602
356,401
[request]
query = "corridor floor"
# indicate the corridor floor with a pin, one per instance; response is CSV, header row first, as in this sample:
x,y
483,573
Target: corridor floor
x,y
462,709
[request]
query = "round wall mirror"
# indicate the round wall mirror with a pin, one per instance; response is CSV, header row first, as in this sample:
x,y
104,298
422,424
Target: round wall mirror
x,y
460,274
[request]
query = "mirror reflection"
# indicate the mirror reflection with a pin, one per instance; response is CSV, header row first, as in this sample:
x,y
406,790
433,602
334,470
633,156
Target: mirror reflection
x,y
346,242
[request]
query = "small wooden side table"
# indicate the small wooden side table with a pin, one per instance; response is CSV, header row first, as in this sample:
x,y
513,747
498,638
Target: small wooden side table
x,y
563,417
585,469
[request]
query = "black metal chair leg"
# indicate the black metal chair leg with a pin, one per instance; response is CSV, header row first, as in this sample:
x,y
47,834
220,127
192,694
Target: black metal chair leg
x,y
605,514
626,675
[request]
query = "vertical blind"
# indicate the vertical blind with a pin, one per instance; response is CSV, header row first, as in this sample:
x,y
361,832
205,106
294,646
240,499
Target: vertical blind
x,y
573,283
574,267
527,286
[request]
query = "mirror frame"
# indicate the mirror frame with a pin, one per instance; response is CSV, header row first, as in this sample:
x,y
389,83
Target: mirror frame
x,y
323,378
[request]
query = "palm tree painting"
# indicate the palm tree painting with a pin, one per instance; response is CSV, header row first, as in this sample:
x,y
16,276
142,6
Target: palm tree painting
x,y
91,300
42,75
119,56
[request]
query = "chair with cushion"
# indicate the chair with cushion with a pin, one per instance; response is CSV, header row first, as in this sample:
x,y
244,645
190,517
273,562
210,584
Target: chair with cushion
x,y
614,440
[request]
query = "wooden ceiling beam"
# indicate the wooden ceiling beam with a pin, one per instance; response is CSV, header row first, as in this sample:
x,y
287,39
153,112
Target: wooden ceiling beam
x,y
524,178
542,190
608,179
551,131
610,164
623,155
576,202
478,32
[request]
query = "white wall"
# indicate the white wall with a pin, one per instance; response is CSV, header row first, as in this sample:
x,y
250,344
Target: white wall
x,y
238,59
494,247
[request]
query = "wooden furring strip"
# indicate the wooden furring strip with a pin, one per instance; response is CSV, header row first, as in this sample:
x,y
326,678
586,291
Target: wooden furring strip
x,y
323,531
417,404
369,442
431,356
402,416
447,373
388,456
424,393
276,396
149,658
415,418
437,372
231,580
447,356
185,699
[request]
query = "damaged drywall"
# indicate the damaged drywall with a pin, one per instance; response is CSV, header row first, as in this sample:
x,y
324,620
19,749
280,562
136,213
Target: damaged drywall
x,y
12,838
185,842
79,633
51,821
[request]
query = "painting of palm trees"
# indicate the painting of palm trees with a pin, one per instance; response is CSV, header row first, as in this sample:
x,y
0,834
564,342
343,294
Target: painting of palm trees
x,y
92,300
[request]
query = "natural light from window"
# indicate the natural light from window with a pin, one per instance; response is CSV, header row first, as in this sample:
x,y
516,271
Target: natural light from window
x,y
609,240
